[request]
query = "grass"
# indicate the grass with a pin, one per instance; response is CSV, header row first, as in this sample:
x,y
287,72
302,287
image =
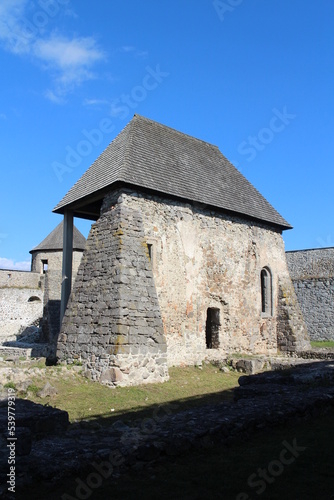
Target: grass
x,y
86,400
32,388
323,343
10,385
247,470
216,472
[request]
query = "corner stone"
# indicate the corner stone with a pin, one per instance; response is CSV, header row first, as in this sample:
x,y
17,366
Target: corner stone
x,y
111,375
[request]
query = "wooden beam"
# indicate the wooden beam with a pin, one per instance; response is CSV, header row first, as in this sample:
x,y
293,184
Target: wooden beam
x,y
66,283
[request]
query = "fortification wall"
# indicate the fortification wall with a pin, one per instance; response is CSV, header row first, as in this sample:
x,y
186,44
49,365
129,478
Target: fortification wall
x,y
21,302
27,297
312,273
19,279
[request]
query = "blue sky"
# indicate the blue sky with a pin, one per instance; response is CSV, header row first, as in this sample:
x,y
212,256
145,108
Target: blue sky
x,y
254,77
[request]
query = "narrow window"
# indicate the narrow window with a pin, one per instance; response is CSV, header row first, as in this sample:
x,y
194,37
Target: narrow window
x,y
150,251
212,328
44,266
266,292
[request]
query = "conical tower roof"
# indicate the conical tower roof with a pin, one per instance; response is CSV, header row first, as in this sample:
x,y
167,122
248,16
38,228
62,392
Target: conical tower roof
x,y
54,241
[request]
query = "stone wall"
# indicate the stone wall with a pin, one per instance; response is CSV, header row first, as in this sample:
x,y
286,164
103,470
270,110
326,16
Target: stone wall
x,y
312,273
19,279
201,260
113,322
21,302
292,334
33,298
52,296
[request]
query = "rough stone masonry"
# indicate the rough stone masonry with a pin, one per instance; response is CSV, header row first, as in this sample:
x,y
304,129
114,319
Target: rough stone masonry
x,y
113,321
185,261
151,270
312,273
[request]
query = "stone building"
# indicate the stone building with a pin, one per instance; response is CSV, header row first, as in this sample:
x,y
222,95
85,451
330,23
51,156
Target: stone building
x,y
185,261
33,298
47,259
312,273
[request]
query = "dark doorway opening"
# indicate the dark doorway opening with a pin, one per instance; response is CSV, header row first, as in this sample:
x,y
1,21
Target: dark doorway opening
x,y
212,328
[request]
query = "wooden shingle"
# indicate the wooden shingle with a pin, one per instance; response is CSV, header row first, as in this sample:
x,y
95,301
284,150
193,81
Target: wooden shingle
x,y
151,156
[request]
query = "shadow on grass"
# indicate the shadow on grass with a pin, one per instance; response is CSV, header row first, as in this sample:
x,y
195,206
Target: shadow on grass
x,y
306,375
140,413
293,461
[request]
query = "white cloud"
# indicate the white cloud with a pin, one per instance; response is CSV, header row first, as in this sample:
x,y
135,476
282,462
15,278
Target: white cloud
x,y
113,105
52,96
127,48
97,103
94,102
133,50
15,266
66,54
68,60
14,32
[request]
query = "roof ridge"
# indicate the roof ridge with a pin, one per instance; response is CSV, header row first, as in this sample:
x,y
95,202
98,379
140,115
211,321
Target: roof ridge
x,y
178,132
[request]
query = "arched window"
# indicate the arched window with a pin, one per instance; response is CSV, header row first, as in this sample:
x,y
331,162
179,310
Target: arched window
x,y
34,299
266,292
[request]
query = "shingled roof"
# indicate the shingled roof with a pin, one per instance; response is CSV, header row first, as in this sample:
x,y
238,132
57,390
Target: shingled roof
x,y
149,155
54,241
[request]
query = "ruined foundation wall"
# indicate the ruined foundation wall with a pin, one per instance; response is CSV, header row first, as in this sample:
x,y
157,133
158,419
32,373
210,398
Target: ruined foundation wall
x,y
312,273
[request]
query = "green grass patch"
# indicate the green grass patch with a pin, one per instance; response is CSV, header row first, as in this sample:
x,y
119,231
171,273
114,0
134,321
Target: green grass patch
x,y
87,400
10,385
323,343
33,389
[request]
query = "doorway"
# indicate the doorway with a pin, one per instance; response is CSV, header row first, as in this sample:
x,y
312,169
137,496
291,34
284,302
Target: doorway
x,y
212,328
